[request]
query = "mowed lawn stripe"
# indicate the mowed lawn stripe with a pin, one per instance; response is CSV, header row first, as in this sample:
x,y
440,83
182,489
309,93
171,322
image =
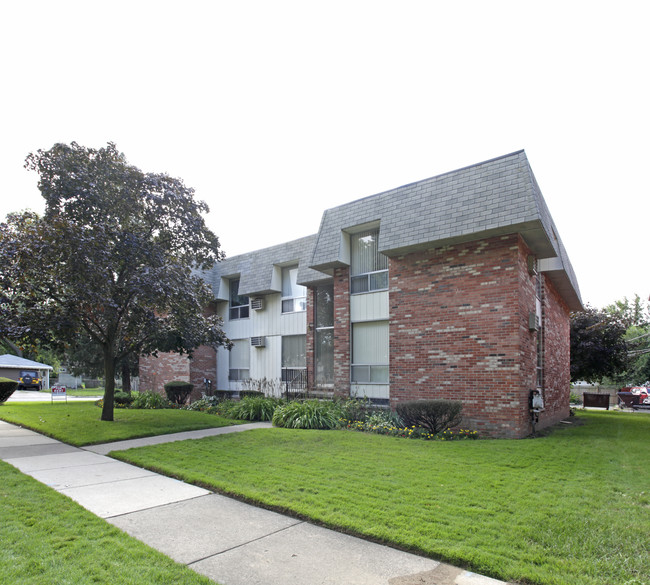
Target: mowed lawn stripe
x,y
559,509
79,423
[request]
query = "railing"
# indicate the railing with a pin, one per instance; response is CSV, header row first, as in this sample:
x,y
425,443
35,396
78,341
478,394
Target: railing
x,y
294,382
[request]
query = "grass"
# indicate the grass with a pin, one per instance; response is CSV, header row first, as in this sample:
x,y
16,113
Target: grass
x,y
79,423
47,539
569,508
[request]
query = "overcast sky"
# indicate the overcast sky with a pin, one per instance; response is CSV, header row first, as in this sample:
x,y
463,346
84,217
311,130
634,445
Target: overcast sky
x,y
275,111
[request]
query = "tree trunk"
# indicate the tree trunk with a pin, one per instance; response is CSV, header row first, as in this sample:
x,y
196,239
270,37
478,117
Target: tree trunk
x,y
126,375
109,383
14,348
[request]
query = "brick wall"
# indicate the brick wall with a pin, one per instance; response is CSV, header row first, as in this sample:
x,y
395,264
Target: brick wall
x,y
155,372
557,375
342,331
459,329
203,365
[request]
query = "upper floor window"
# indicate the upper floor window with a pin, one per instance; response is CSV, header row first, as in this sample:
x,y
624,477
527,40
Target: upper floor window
x,y
368,266
239,307
293,294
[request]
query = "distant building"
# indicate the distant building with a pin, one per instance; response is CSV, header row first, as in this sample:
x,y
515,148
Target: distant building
x,y
35,374
457,286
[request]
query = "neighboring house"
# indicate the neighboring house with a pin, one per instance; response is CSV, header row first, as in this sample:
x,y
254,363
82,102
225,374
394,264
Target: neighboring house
x,y
457,286
33,375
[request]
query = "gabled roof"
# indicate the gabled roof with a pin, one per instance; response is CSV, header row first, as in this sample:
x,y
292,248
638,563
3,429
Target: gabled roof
x,y
259,270
495,197
492,198
16,363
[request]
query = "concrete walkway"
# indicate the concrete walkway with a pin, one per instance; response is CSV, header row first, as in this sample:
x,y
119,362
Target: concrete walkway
x,y
230,542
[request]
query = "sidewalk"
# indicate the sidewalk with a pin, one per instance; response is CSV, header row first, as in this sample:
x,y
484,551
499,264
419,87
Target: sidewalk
x,y
228,541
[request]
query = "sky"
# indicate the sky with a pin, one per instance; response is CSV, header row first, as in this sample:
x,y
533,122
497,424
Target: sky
x,y
276,111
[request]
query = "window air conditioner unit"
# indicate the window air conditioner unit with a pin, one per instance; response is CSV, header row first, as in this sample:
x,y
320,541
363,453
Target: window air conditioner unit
x,y
257,304
258,341
533,321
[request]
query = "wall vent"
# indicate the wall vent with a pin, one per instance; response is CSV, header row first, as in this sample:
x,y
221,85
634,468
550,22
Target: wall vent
x,y
258,341
257,304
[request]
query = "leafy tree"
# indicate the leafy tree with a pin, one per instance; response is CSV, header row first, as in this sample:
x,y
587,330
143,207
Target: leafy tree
x,y
598,347
635,315
115,257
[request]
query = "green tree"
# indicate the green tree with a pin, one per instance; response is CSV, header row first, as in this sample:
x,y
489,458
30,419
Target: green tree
x,y
598,346
115,257
635,315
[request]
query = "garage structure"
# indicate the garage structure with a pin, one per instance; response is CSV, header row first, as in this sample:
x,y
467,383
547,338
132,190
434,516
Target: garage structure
x,y
11,366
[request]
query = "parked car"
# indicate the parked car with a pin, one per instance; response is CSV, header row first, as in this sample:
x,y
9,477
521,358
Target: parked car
x,y
634,397
29,380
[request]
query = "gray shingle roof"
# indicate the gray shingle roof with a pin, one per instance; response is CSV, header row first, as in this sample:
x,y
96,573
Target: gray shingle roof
x,y
491,198
15,362
495,197
255,269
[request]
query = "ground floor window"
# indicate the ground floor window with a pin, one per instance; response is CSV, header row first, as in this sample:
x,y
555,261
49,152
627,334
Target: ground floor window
x,y
240,357
294,359
370,352
324,354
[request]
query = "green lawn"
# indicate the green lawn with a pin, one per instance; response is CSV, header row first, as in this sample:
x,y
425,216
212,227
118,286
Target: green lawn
x,y
569,508
47,539
79,423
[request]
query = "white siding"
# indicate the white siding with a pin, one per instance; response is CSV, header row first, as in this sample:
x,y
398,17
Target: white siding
x,y
268,322
265,361
370,390
369,306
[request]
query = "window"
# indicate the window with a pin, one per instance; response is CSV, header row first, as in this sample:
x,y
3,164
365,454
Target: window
x,y
370,352
368,266
240,360
293,295
324,339
294,357
239,308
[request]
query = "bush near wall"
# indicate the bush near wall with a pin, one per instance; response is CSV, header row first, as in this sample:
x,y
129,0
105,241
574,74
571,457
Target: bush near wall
x,y
7,388
178,391
434,415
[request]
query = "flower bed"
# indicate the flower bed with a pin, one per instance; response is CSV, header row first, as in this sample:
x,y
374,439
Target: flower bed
x,y
413,432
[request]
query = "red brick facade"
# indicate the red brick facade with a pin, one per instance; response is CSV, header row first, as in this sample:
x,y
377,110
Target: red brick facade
x,y
155,372
342,351
459,329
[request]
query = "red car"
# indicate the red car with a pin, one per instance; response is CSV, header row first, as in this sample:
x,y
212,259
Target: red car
x,y
634,397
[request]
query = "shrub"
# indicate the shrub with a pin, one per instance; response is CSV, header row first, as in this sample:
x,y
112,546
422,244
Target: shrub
x,y
7,388
225,408
433,415
258,408
251,394
205,404
149,400
574,398
178,391
310,414
358,409
123,399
